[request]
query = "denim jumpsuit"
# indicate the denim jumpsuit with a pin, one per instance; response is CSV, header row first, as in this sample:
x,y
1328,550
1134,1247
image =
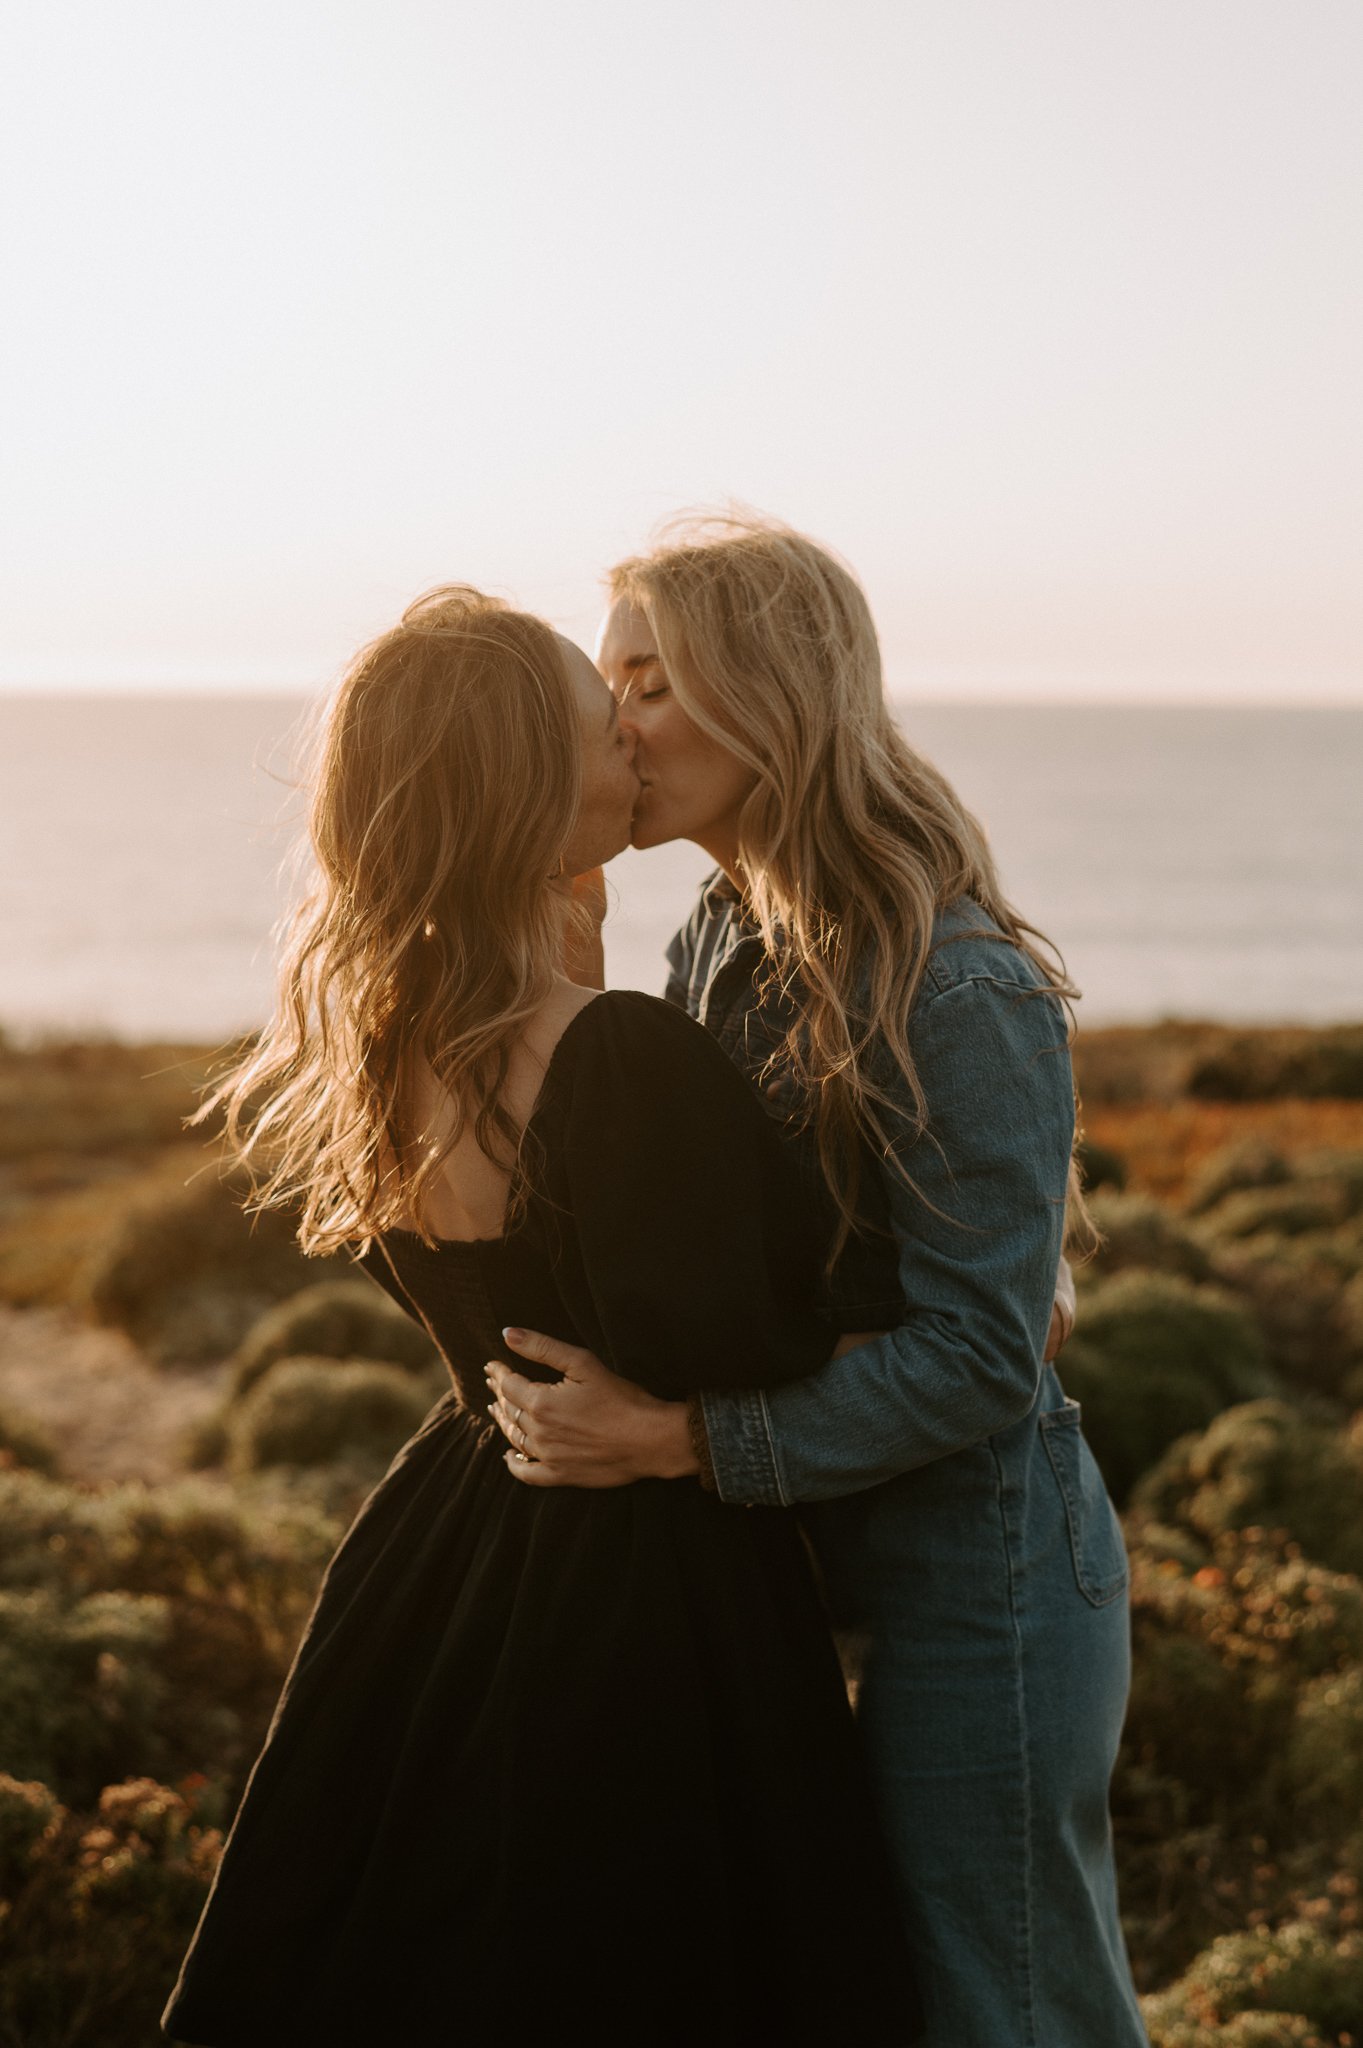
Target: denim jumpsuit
x,y
960,1521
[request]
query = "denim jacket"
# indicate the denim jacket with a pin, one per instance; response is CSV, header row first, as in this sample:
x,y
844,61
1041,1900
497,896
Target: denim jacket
x,y
979,1234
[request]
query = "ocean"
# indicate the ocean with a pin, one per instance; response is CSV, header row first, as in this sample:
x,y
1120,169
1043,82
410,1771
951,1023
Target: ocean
x,y
1188,862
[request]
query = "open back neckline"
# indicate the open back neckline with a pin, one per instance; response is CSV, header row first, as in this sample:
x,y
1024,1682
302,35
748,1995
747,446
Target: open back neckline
x,y
539,1103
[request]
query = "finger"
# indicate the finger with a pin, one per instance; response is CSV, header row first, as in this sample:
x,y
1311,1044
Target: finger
x,y
516,1429
513,1387
570,1359
505,1421
1055,1336
544,1472
547,1434
529,1471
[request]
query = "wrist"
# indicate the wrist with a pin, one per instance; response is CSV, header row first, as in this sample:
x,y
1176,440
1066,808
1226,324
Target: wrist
x,y
665,1449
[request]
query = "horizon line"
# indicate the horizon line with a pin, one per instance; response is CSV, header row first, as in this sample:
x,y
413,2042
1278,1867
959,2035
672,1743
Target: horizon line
x,y
932,695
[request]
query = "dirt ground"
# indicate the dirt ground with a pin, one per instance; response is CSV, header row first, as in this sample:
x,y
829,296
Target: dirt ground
x,y
110,1414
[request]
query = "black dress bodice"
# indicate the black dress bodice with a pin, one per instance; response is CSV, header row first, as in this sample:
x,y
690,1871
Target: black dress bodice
x,y
667,1225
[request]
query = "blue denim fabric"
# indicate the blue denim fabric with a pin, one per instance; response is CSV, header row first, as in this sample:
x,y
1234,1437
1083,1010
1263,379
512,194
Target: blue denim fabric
x,y
959,1518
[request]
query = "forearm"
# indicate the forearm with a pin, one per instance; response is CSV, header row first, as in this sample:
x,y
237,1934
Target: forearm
x,y
980,1237
919,1393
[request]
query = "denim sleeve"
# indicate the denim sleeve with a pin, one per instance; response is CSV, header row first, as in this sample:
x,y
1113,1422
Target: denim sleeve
x,y
979,1240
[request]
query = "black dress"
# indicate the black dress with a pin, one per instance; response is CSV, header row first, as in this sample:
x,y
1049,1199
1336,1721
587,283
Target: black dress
x,y
561,1765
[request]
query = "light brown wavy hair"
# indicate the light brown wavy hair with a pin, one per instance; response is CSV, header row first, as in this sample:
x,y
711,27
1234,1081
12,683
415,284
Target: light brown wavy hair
x,y
849,843
446,780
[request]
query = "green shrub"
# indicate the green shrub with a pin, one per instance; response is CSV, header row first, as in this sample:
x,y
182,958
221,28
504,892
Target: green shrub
x,y
1299,1290
1288,1211
96,1910
336,1490
1351,1318
1246,2030
1247,1164
80,1688
308,1411
192,1539
335,1319
1220,1657
25,1442
49,1535
203,1444
1342,1169
1100,1166
1263,1465
1140,1232
1264,1066
1324,1759
1227,1659
91,1687
1154,1357
27,1811
146,1629
186,1273
1299,1983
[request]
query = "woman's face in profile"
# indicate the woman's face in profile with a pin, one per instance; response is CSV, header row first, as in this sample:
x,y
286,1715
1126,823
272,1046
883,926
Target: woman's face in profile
x,y
690,786
610,787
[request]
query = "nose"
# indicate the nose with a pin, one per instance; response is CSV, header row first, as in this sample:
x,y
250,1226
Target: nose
x,y
631,738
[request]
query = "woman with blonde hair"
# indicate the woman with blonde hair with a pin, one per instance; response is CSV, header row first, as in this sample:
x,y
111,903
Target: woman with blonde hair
x,y
856,957
546,1765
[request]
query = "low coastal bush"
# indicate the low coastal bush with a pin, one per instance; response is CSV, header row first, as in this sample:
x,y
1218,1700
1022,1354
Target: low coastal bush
x,y
25,1442
186,1273
1261,1066
1155,1357
1138,1231
96,1096
81,1688
1323,1764
1233,1169
1264,1465
1224,1651
334,1319
1305,1302
97,1908
1100,1166
1293,1210
1242,1720
309,1411
188,1539
145,1630
1297,1985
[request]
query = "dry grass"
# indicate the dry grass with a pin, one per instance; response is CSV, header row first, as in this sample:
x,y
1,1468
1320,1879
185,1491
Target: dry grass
x,y
86,1129
1163,1143
1163,1063
109,1413
93,1097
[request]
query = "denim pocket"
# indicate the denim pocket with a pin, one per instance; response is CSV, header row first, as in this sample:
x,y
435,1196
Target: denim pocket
x,y
1095,1533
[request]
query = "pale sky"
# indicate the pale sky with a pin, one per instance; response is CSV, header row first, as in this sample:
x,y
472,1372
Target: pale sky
x,y
1048,314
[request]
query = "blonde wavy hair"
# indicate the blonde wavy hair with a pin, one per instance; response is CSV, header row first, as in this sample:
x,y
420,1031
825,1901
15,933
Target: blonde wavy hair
x,y
850,842
446,781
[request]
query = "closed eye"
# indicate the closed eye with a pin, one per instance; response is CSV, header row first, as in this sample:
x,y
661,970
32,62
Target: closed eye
x,y
636,668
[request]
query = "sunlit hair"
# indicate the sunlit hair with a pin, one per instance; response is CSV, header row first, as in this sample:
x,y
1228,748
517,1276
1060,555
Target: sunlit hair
x,y
446,782
850,842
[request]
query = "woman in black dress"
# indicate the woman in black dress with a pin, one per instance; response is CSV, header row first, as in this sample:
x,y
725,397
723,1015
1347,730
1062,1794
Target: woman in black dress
x,y
547,1765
